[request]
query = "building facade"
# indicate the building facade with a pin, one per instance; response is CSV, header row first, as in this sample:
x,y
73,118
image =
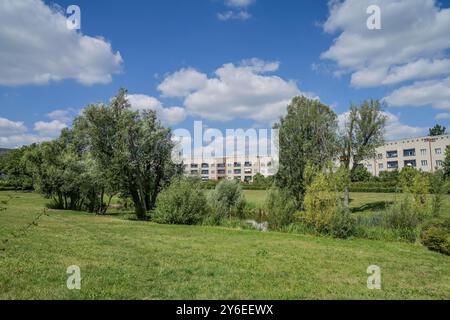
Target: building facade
x,y
426,154
231,168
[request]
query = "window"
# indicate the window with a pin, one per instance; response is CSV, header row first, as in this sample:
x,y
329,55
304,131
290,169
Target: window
x,y
410,163
230,171
221,165
409,153
194,172
423,152
438,151
221,171
392,154
248,164
392,165
237,164
194,165
205,165
424,163
237,171
213,172
439,163
381,166
380,156
205,172
369,167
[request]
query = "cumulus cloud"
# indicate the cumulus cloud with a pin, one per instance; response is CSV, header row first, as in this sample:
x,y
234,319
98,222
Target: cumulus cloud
x,y
394,129
169,116
182,82
37,48
52,128
243,91
405,49
435,93
443,116
14,134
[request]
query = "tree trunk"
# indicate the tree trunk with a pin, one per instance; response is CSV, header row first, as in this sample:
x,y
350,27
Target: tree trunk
x,y
346,196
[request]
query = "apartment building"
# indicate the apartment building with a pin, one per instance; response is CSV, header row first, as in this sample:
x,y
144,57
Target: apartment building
x,y
426,154
237,168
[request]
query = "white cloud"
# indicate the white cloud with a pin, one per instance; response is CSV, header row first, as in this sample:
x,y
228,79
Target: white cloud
x,y
244,91
169,116
443,116
9,128
182,82
52,128
394,129
406,48
238,11
233,15
14,134
21,140
239,3
423,93
37,47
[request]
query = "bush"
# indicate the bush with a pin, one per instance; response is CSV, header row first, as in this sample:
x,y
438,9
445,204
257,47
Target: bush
x,y
401,215
436,236
183,202
227,201
280,209
323,209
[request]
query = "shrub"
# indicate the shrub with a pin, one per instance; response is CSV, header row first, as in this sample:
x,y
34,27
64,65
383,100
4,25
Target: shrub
x,y
323,209
227,201
280,208
436,236
183,202
401,215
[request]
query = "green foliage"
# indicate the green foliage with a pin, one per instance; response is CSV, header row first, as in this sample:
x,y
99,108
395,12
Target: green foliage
x,y
132,149
436,236
437,130
14,169
262,183
227,201
360,174
323,209
389,176
446,164
183,202
280,208
401,215
306,134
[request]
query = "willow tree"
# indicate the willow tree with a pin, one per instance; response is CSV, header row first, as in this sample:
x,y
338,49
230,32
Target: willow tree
x,y
307,135
132,149
362,133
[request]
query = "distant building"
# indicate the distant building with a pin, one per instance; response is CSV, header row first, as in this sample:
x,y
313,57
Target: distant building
x,y
232,168
426,154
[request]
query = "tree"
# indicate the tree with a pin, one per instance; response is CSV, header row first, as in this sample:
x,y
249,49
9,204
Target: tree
x,y
133,150
307,134
437,130
446,165
362,134
15,170
360,174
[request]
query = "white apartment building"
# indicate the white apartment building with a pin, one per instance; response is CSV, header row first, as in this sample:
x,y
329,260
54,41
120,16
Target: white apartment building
x,y
238,168
426,154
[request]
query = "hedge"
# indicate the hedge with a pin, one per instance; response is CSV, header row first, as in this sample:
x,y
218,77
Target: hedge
x,y
375,187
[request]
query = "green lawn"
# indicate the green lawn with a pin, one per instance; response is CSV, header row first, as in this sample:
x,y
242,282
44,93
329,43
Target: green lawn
x,y
138,260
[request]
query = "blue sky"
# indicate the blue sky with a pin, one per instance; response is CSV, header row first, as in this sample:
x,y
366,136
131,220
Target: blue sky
x,y
229,63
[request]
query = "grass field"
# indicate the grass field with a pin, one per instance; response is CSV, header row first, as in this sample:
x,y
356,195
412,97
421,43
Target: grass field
x,y
140,260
